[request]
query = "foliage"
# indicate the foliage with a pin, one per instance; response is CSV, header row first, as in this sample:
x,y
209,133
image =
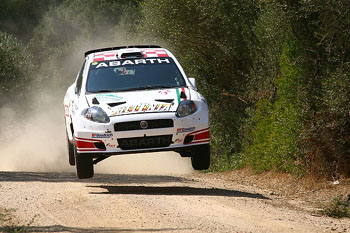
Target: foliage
x,y
338,207
273,140
213,41
322,27
14,68
19,17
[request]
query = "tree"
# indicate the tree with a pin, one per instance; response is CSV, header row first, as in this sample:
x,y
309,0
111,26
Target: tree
x,y
14,68
19,17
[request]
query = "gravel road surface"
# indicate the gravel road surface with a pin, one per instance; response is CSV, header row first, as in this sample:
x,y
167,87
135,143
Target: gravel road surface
x,y
59,202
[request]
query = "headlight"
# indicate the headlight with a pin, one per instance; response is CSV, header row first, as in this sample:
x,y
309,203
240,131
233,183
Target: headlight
x,y
96,114
185,108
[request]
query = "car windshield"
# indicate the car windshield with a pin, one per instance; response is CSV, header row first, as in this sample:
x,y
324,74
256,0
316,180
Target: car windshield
x,y
133,74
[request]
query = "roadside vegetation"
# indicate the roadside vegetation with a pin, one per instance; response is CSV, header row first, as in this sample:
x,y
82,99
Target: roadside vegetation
x,y
338,207
9,223
276,73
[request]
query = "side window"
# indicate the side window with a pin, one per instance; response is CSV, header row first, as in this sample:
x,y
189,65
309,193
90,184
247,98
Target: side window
x,y
80,80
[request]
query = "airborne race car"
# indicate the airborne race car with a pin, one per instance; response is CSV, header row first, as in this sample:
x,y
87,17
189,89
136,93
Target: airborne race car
x,y
130,100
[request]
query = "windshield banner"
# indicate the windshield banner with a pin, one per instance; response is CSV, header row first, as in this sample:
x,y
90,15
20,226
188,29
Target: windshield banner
x,y
148,61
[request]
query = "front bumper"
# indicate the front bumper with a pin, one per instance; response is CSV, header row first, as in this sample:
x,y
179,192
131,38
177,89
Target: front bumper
x,y
105,139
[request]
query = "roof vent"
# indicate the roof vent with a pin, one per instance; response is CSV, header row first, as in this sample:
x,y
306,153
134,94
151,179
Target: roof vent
x,y
130,53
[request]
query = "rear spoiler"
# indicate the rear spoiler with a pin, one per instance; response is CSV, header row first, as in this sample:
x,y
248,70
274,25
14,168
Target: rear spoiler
x,y
120,47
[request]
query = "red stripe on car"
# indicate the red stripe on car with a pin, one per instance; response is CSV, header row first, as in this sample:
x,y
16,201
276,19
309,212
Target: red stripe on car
x,y
183,90
201,136
198,131
84,144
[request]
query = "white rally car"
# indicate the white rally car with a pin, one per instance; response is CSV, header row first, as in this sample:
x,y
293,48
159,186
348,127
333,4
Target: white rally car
x,y
130,100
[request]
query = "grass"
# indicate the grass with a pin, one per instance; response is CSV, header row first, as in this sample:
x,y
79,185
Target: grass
x,y
9,223
338,207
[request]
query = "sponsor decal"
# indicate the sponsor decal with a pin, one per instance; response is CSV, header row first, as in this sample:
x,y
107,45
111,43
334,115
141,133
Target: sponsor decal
x,y
133,62
124,71
185,130
94,63
178,140
108,98
101,135
164,92
145,108
66,110
111,145
144,142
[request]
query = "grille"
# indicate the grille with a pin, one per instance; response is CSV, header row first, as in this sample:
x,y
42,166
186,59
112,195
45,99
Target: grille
x,y
145,142
135,125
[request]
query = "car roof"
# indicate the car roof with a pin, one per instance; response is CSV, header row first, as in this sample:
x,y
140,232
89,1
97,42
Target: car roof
x,y
120,47
122,52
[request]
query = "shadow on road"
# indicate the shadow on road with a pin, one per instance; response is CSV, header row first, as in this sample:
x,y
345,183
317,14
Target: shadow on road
x,y
59,228
175,190
105,179
98,178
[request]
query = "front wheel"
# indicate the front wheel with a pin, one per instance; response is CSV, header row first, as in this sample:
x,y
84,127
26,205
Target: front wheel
x,y
200,158
70,152
83,164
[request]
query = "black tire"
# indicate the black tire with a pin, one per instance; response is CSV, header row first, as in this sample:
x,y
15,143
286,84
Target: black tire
x,y
200,158
70,147
84,165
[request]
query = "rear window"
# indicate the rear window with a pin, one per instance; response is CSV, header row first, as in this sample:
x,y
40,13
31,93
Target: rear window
x,y
129,74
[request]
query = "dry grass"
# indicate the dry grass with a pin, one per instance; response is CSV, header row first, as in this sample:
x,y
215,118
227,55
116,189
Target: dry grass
x,y
310,192
9,223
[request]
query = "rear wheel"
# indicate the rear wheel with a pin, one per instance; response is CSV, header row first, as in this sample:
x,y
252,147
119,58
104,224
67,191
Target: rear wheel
x,y
84,164
200,158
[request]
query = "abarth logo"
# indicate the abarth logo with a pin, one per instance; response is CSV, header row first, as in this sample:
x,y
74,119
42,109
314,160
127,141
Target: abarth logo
x,y
143,124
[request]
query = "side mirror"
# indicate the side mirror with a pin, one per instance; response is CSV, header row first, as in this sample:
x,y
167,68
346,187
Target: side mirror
x,y
193,82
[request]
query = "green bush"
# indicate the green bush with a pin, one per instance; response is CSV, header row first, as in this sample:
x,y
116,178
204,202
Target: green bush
x,y
273,140
338,207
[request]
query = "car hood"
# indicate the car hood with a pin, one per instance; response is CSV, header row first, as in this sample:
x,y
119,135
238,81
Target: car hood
x,y
133,102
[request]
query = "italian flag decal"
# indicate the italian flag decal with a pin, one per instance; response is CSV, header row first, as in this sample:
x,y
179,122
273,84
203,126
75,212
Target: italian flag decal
x,y
178,95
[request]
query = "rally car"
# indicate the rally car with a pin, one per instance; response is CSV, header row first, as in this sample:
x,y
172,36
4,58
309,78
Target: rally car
x,y
134,99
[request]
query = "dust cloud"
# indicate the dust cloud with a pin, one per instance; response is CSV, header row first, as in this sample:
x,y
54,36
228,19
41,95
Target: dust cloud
x,y
33,141
36,142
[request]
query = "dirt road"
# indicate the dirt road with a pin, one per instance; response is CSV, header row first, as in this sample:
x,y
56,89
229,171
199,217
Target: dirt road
x,y
151,203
